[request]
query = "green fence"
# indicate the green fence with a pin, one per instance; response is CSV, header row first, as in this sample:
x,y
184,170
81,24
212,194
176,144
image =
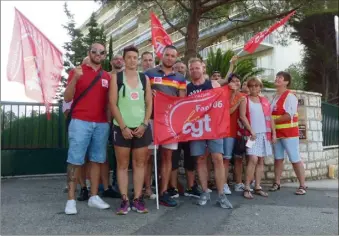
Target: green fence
x,y
330,116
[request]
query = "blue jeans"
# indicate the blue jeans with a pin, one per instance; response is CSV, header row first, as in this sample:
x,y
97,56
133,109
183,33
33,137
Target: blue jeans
x,y
290,145
228,146
87,136
198,147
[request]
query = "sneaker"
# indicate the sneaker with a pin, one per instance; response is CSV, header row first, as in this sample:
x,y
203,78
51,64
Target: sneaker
x,y
111,193
139,205
173,192
253,184
193,192
124,207
204,197
209,190
71,207
97,202
224,202
83,195
227,189
166,200
239,187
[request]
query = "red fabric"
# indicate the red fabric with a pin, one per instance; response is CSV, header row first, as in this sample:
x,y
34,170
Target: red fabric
x,y
160,39
92,107
254,42
34,61
198,117
235,116
279,110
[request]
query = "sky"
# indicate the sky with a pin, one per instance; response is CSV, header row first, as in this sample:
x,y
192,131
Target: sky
x,y
48,17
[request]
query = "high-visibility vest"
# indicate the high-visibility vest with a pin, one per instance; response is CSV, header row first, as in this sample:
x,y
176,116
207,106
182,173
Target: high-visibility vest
x,y
267,113
286,129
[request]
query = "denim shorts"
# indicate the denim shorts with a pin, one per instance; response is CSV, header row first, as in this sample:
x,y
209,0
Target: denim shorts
x,y
290,145
87,136
198,147
228,146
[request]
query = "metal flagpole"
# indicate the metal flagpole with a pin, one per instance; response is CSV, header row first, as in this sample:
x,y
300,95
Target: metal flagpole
x,y
156,172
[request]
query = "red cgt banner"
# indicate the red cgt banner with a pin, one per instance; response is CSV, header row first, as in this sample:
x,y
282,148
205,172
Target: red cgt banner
x,y
201,116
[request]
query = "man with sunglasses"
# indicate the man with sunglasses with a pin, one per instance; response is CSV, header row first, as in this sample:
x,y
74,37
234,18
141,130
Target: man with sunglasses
x,y
88,128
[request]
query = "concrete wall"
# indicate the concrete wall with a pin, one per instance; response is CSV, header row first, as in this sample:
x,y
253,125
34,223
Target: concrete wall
x,y
316,158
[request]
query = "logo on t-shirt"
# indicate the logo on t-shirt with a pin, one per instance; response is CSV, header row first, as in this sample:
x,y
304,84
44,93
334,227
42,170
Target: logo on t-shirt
x,y
134,96
157,80
104,83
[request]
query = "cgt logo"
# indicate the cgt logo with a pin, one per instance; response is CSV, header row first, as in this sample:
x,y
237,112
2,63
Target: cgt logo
x,y
197,128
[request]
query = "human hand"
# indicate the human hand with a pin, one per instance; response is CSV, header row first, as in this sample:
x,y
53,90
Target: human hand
x,y
78,72
127,133
139,132
253,136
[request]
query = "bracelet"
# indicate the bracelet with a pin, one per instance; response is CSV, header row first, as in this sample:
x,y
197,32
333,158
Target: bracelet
x,y
143,124
123,128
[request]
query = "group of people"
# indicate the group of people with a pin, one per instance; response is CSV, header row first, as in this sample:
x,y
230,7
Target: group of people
x,y
121,102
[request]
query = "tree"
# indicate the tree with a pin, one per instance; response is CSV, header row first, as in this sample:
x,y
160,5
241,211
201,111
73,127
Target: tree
x,y
107,64
220,61
296,70
316,33
95,32
185,16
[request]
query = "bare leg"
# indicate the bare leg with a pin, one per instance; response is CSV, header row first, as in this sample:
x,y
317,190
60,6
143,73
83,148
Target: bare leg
x,y
148,173
174,179
219,172
238,170
202,172
139,163
259,172
251,165
227,167
72,174
166,169
190,178
82,176
122,155
300,172
95,178
104,174
278,168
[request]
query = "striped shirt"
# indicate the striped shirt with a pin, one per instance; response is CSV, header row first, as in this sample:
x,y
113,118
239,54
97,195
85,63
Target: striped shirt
x,y
169,84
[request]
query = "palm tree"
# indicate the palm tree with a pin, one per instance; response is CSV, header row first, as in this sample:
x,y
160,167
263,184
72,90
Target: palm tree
x,y
220,61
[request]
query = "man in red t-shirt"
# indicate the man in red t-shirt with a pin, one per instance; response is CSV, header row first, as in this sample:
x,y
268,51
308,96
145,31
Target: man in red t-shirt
x,y
89,128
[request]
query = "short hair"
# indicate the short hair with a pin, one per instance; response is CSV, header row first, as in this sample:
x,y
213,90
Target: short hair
x,y
145,53
255,80
287,77
216,71
170,47
129,49
90,47
194,59
231,76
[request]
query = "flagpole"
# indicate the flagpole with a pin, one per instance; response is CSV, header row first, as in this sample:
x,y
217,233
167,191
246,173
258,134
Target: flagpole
x,y
156,174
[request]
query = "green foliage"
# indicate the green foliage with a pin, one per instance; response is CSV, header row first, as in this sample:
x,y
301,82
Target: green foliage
x,y
220,61
298,76
95,33
267,84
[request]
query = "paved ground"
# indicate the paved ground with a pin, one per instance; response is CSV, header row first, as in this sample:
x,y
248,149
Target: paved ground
x,y
35,206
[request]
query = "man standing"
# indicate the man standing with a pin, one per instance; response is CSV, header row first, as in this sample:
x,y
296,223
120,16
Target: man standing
x,y
180,67
164,79
117,63
147,60
198,147
284,112
89,128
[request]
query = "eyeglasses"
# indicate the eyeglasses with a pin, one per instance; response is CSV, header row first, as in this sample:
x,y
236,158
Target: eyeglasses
x,y
98,52
253,85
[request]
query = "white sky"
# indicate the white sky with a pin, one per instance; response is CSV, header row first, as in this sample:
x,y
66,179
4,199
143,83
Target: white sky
x,y
48,17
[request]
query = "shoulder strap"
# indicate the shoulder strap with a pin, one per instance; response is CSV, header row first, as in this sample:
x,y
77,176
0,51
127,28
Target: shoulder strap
x,y
76,101
120,80
142,77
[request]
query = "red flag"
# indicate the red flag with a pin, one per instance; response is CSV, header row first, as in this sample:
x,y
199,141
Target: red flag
x,y
160,39
34,61
203,115
254,42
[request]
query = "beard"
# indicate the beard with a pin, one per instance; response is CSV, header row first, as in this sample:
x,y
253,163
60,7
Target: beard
x,y
95,62
117,67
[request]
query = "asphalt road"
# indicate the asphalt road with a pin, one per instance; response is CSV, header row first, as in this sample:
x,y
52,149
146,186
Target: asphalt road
x,y
35,206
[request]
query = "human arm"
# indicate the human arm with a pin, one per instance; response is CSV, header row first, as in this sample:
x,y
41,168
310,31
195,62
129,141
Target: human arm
x,y
215,84
274,135
113,104
290,106
244,119
73,78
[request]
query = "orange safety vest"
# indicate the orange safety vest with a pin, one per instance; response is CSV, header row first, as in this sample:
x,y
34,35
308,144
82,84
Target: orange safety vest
x,y
267,113
286,129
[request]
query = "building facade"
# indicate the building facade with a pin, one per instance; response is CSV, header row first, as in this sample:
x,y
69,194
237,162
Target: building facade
x,y
129,26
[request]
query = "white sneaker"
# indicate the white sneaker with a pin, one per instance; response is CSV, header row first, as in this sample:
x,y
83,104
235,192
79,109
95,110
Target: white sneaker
x,y
97,202
71,207
253,184
227,189
209,190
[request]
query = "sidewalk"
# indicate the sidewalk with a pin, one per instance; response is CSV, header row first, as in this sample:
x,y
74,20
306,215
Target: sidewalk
x,y
325,184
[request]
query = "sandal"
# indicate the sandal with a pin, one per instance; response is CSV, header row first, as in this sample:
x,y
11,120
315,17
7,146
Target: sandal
x,y
260,192
275,187
301,190
248,194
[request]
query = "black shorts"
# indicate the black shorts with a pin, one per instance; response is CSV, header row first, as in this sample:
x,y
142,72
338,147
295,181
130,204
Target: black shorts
x,y
189,161
240,147
120,141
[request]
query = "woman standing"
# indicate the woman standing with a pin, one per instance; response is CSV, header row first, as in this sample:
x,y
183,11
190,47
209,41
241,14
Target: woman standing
x,y
131,105
255,113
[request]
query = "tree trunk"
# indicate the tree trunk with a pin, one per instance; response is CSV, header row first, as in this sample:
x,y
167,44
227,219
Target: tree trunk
x,y
192,35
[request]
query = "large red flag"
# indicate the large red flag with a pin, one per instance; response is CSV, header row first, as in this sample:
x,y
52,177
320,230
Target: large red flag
x,y
160,39
254,42
201,116
34,61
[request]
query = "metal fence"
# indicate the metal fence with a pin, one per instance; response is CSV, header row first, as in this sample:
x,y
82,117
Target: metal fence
x,y
25,126
330,115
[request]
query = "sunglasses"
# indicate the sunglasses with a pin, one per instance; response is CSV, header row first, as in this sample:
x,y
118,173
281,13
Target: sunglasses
x,y
253,85
98,52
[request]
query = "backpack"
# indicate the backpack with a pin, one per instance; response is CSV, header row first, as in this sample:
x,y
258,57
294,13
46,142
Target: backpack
x,y
120,82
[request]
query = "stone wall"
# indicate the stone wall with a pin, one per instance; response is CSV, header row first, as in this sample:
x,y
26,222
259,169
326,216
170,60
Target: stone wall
x,y
316,158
